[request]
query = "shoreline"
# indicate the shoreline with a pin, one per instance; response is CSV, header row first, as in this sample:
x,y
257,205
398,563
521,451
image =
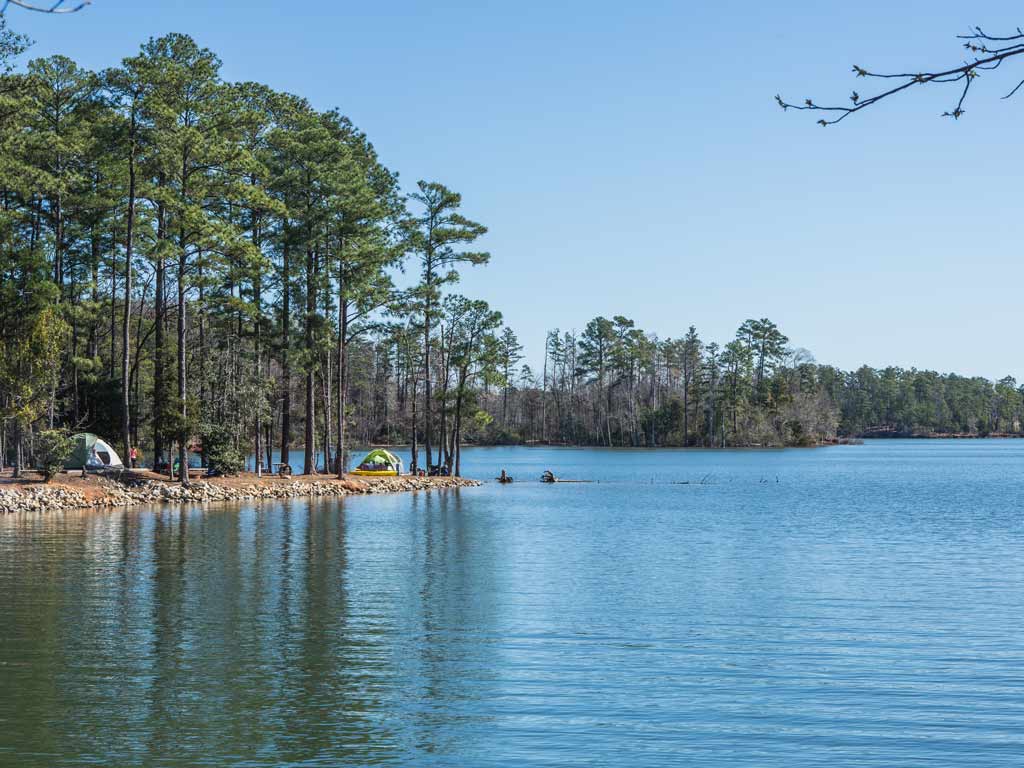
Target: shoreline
x,y
98,492
940,436
847,440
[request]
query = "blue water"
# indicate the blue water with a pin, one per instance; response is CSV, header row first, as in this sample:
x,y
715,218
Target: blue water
x,y
848,606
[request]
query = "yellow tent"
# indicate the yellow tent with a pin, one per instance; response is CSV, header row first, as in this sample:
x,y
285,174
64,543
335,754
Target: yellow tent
x,y
379,463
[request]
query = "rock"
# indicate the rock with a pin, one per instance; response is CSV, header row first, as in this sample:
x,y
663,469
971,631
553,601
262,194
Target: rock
x,y
114,494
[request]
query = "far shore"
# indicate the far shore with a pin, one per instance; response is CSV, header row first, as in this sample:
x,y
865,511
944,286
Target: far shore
x,y
851,440
940,436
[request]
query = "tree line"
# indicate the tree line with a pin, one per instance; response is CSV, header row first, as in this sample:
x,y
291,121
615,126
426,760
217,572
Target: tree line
x,y
614,385
187,263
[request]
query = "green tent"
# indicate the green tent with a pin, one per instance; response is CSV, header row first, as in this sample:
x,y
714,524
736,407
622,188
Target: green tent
x,y
92,452
379,461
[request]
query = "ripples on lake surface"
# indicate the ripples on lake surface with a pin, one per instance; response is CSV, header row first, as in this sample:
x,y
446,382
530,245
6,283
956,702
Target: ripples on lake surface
x,y
852,606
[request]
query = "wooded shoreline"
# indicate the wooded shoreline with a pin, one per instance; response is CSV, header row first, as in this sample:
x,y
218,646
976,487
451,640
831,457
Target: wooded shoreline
x,y
188,263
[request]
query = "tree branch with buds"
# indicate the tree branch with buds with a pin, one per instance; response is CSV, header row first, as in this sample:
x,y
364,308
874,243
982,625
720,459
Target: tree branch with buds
x,y
988,52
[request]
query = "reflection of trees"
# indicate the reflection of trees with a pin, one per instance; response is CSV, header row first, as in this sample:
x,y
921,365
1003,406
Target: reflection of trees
x,y
332,695
283,632
450,665
33,616
167,708
83,606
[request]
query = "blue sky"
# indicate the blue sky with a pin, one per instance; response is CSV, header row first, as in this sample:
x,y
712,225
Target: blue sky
x,y
628,157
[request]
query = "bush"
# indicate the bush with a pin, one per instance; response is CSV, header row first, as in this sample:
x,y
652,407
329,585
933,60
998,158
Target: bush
x,y
221,453
496,435
53,448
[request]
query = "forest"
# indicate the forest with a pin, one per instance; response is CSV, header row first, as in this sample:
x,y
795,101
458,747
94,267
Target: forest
x,y
193,264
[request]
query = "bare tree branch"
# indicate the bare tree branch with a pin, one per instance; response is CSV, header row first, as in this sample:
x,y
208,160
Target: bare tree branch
x,y
59,6
986,56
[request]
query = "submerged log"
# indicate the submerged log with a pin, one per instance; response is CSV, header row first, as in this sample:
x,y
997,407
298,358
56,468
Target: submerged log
x,y
549,477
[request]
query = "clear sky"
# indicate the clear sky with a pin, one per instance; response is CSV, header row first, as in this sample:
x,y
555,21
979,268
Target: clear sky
x,y
628,158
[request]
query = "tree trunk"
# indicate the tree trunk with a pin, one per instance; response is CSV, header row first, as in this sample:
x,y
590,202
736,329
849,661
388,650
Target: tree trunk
x,y
286,367
426,380
257,294
342,376
18,455
112,362
201,357
686,410
160,349
183,435
58,246
309,458
414,465
126,420
504,400
458,449
444,455
608,413
326,374
544,396
453,457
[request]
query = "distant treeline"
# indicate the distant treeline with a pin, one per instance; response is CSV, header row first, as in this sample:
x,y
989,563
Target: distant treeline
x,y
910,402
615,385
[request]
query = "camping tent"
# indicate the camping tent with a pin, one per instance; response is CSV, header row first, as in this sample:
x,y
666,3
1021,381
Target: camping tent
x,y
92,452
379,462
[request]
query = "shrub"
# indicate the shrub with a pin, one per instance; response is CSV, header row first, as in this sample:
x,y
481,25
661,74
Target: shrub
x,y
221,453
496,435
53,448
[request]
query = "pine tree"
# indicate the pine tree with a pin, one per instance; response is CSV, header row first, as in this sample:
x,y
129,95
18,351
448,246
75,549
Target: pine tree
x,y
434,237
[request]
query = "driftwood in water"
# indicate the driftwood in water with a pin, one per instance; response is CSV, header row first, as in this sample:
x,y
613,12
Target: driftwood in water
x,y
549,477
706,480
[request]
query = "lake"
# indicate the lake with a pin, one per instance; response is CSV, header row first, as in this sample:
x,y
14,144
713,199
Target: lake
x,y
846,606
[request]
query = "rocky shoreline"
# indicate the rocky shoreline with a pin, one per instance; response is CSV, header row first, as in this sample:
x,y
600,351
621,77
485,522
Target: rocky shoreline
x,y
111,493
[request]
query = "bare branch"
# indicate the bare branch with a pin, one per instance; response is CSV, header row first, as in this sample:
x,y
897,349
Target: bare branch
x,y
986,58
1015,89
54,7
